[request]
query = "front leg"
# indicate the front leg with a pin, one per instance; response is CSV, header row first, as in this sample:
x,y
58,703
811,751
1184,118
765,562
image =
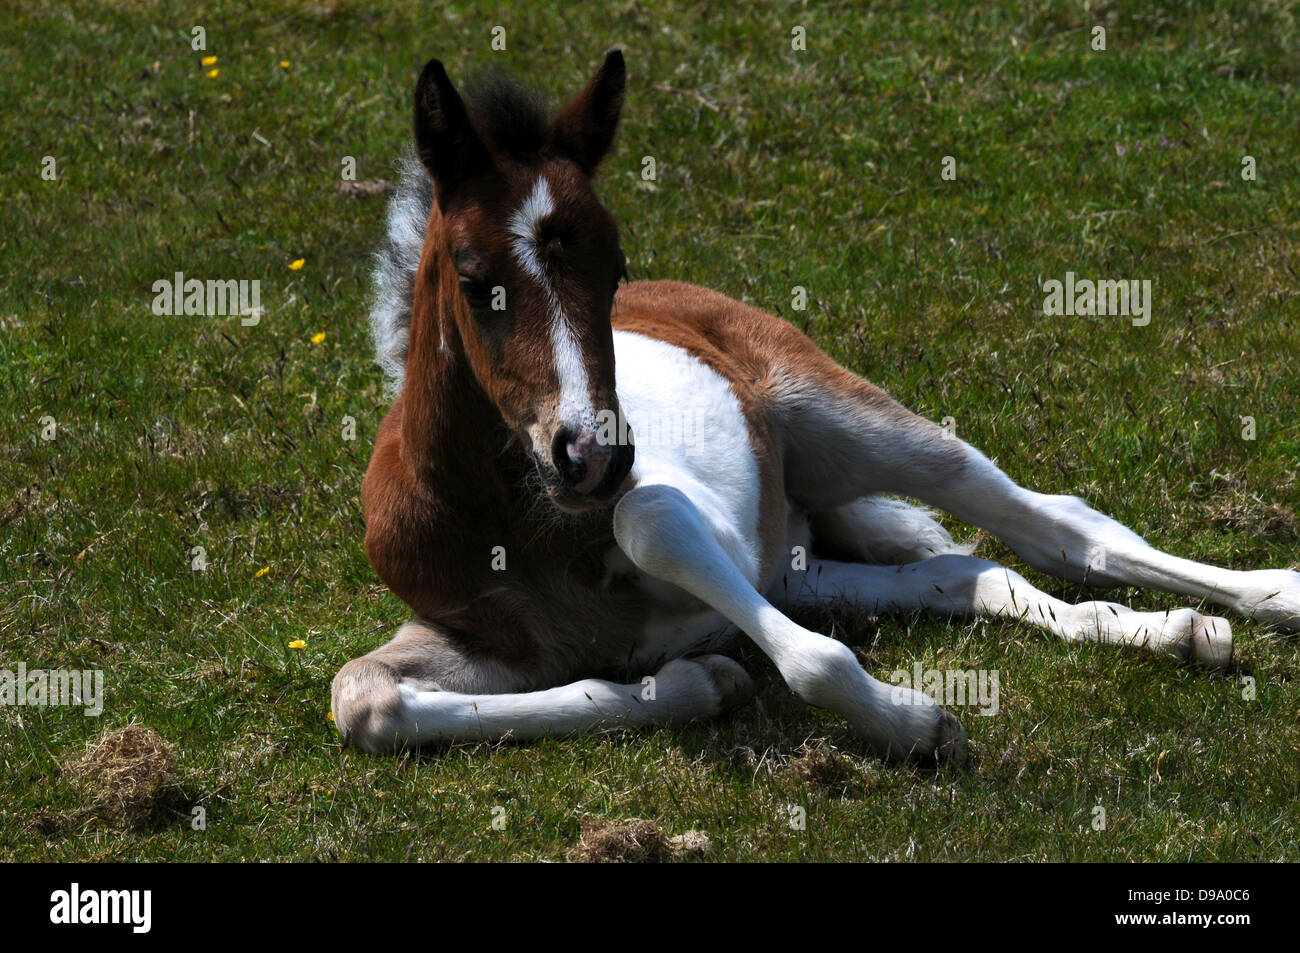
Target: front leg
x,y
419,689
663,533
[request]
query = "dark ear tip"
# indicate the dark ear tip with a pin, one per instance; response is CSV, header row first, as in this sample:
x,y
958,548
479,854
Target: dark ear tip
x,y
433,71
614,60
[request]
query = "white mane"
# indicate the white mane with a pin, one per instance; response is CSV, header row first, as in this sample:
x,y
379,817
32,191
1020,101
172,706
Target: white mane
x,y
395,266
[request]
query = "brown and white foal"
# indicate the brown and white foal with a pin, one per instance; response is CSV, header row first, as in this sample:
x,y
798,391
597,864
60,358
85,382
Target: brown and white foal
x,y
550,522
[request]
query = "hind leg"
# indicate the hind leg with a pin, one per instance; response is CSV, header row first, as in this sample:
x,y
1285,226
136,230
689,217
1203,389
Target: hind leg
x,y
844,438
419,689
965,586
883,531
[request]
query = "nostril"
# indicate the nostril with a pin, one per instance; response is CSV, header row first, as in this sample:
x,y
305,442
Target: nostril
x,y
567,457
559,443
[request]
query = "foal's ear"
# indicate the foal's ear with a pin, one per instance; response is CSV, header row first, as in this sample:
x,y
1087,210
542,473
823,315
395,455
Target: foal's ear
x,y
444,137
584,129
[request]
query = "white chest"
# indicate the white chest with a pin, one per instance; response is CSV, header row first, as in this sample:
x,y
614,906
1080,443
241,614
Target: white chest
x,y
690,433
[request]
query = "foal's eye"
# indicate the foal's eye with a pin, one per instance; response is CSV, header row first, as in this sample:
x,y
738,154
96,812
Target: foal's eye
x,y
477,293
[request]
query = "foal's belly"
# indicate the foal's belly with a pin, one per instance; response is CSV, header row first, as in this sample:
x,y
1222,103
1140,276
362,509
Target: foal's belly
x,y
690,433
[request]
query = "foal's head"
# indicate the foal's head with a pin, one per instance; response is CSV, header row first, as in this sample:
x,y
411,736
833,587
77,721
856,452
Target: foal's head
x,y
538,262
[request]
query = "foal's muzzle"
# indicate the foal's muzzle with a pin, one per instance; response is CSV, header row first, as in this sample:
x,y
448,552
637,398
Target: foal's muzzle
x,y
589,468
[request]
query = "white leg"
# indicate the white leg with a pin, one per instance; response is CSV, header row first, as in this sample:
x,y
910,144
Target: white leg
x,y
661,531
1064,536
379,711
963,585
844,438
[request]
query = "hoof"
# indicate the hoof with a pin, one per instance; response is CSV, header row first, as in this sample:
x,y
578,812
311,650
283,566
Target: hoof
x,y
1273,598
949,745
1211,642
733,683
1200,639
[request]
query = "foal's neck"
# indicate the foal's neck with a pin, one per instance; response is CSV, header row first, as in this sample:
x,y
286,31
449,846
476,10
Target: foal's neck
x,y
449,425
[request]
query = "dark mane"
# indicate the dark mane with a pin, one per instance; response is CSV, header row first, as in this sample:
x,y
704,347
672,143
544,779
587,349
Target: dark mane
x,y
514,117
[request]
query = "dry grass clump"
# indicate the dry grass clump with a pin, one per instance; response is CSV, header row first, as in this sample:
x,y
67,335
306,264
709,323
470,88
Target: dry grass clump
x,y
633,840
1253,516
128,775
822,766
691,844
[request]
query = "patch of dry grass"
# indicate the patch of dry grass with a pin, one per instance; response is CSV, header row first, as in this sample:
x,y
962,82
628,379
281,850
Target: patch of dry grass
x,y
129,775
633,840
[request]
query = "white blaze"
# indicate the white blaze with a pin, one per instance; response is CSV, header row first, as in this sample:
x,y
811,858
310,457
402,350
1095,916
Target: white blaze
x,y
569,368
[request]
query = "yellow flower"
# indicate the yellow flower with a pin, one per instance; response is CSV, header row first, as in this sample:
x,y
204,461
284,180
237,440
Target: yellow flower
x,y
212,73
297,263
318,338
261,572
156,65
330,716
284,64
298,644
208,61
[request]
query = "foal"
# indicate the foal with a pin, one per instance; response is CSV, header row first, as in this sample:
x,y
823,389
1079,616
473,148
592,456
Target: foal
x,y
540,545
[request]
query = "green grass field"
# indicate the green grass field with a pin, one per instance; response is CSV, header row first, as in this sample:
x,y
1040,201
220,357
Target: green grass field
x,y
776,168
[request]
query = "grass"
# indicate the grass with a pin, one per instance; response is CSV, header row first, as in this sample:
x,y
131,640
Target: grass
x,y
775,168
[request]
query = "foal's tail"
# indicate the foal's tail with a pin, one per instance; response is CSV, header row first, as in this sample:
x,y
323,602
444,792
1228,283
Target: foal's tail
x,y
396,263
